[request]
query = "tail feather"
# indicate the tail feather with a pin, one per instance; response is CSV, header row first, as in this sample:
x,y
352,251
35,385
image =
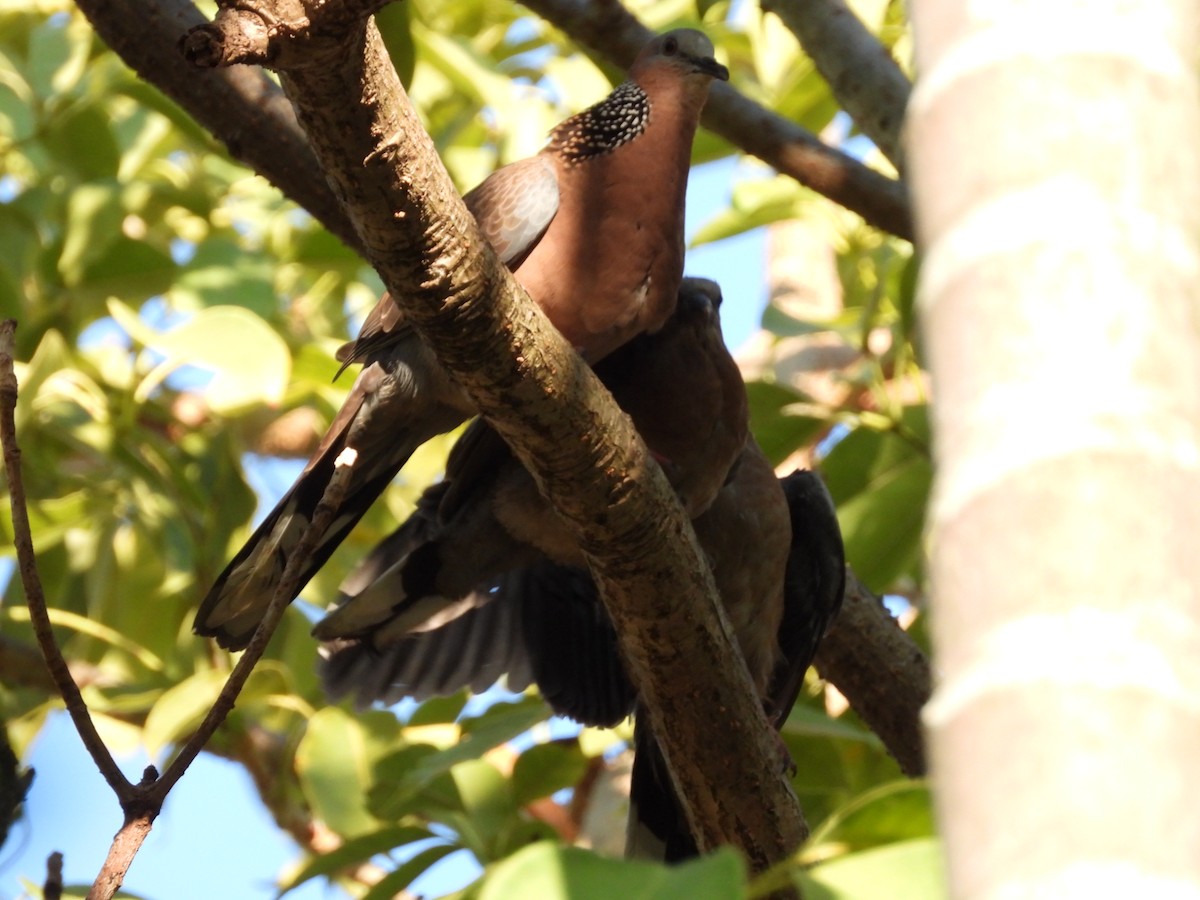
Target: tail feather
x,y
235,604
813,588
657,828
472,651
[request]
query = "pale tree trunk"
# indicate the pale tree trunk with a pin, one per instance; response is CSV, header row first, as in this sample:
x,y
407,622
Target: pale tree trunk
x,y
1053,150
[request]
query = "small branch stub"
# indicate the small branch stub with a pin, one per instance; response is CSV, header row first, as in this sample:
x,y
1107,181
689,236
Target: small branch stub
x,y
273,34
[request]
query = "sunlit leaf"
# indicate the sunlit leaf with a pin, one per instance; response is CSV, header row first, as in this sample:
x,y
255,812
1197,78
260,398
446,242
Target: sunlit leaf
x,y
65,619
902,870
334,766
410,770
880,481
93,224
248,360
546,768
777,427
550,872
180,709
894,811
355,851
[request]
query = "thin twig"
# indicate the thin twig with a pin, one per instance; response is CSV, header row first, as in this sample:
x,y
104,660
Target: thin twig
x,y
331,501
34,594
124,847
141,803
52,889
149,795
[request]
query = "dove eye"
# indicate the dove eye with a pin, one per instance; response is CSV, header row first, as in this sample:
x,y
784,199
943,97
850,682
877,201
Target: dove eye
x,y
670,46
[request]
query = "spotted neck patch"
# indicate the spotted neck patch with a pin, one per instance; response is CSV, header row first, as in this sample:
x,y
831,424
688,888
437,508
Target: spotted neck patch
x,y
617,119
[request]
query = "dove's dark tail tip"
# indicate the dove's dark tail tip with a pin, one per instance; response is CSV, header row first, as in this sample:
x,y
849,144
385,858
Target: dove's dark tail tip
x,y
657,827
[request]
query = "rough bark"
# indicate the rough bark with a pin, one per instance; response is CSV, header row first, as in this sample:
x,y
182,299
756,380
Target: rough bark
x,y
881,671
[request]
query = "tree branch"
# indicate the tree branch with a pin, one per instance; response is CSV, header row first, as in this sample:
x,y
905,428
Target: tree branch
x,y
249,114
240,106
861,72
35,597
612,31
881,671
545,401
52,888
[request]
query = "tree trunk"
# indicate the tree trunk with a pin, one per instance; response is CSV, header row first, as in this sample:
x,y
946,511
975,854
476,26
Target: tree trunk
x,y
1052,149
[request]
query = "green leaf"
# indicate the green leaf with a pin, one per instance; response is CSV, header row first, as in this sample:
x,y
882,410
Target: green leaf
x,y
248,360
17,121
83,141
132,270
222,272
467,70
897,810
334,766
180,709
81,624
93,223
551,872
394,883
908,869
804,721
777,427
906,301
355,851
394,22
880,481
397,787
57,56
439,710
488,811
546,768
755,203
848,323
402,776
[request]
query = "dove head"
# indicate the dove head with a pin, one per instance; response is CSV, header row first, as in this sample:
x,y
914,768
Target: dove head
x,y
699,305
683,54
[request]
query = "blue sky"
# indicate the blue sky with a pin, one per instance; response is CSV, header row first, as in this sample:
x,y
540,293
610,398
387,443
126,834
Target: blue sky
x,y
214,838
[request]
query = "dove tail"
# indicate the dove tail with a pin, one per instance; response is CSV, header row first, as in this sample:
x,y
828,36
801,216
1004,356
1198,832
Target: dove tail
x,y
657,826
235,604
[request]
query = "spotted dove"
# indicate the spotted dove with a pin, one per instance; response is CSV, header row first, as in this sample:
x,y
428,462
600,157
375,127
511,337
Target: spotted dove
x,y
685,395
592,227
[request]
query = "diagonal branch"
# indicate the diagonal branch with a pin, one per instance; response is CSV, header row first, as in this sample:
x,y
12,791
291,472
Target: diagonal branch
x,y
881,671
240,106
861,72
